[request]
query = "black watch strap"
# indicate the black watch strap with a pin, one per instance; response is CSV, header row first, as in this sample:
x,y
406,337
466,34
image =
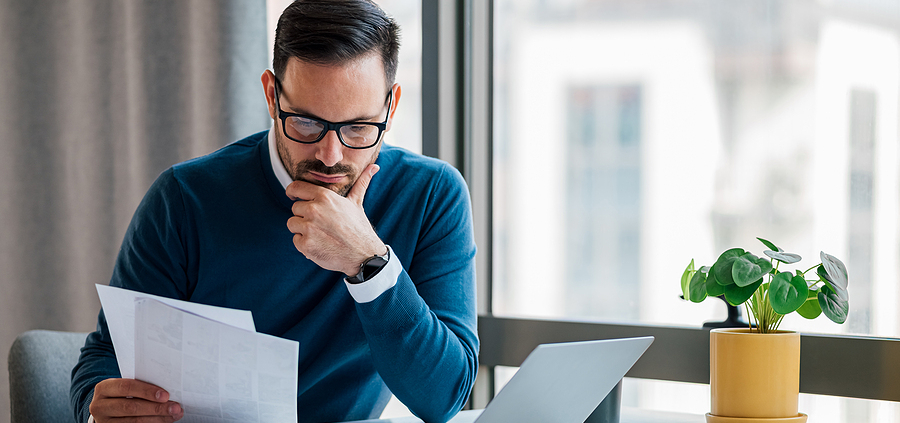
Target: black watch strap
x,y
369,268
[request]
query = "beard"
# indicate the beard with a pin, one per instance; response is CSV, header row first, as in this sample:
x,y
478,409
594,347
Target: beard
x,y
297,170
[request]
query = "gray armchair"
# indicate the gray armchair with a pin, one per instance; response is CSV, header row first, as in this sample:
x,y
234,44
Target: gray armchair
x,y
40,367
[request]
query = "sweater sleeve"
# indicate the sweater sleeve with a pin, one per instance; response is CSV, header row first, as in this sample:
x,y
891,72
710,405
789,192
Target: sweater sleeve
x,y
151,260
422,332
97,362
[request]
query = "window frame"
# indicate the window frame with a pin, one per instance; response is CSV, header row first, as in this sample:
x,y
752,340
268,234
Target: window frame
x,y
457,104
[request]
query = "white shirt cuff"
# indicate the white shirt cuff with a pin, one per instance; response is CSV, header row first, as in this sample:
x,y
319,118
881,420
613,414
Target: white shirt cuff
x,y
383,281
90,418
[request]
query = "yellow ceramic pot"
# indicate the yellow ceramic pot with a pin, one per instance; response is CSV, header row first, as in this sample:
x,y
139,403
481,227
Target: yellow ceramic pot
x,y
754,377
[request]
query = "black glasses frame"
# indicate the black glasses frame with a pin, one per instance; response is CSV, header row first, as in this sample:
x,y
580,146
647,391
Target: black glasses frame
x,y
331,126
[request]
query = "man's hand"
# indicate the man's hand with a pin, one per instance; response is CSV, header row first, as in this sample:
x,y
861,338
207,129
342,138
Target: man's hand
x,y
331,230
129,400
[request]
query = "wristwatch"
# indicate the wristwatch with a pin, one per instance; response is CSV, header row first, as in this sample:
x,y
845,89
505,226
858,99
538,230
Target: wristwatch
x,y
369,268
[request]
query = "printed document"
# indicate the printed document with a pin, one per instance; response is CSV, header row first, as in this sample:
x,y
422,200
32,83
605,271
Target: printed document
x,y
218,372
118,307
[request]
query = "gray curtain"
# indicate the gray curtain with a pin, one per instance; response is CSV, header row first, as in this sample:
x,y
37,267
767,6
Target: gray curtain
x,y
97,97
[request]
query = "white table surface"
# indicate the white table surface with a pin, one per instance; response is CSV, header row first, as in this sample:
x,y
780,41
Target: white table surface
x,y
629,415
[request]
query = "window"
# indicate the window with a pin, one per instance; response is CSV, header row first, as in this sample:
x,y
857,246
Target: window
x,y
632,136
602,190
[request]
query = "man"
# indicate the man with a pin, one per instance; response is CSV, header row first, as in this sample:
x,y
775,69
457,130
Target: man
x,y
373,275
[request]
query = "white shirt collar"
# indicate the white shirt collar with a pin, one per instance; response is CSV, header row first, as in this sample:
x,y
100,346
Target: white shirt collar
x,y
277,166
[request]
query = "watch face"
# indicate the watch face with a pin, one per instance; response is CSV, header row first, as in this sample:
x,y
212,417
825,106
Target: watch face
x,y
372,266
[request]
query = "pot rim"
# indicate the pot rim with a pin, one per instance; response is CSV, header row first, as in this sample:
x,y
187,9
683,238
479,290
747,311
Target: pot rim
x,y
747,331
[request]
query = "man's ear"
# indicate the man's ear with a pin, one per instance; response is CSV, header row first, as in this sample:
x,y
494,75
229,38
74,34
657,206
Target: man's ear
x,y
268,83
396,89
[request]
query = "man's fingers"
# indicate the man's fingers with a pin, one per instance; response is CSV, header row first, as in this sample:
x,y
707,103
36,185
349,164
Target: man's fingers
x,y
302,190
296,225
129,400
300,243
120,388
358,192
133,407
142,419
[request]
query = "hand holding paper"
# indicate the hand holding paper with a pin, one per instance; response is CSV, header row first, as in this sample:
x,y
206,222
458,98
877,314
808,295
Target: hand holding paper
x,y
117,398
216,371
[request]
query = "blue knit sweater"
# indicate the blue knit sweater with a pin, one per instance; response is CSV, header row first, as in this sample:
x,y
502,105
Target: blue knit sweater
x,y
213,230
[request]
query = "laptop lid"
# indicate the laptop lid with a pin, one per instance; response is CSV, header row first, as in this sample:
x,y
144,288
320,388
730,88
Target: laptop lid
x,y
564,382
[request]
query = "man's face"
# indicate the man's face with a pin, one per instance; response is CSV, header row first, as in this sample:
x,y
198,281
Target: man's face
x,y
343,93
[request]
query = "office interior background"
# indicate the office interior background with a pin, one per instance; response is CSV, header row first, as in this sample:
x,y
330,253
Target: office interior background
x,y
624,138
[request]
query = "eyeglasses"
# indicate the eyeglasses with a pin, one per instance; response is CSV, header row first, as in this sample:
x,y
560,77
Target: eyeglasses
x,y
309,130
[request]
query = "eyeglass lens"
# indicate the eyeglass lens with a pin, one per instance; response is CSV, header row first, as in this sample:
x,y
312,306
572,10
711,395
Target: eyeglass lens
x,y
309,130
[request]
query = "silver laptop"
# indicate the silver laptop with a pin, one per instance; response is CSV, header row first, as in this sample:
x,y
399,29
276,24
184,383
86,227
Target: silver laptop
x,y
561,383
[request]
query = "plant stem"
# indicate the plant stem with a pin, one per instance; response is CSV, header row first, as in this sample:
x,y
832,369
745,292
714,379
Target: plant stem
x,y
750,316
772,315
760,308
811,268
761,299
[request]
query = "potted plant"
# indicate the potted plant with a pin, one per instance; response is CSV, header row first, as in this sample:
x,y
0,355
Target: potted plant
x,y
755,371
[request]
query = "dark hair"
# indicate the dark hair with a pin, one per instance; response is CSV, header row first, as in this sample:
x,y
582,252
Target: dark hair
x,y
334,32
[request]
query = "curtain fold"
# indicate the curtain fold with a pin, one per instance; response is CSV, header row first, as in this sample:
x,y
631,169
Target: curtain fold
x,y
97,97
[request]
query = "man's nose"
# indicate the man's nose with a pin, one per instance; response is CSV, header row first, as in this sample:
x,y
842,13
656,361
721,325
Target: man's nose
x,y
330,150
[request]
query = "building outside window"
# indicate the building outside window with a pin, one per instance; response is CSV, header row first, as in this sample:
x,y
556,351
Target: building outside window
x,y
603,217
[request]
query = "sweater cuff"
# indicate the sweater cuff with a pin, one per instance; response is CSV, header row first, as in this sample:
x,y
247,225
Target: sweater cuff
x,y
383,281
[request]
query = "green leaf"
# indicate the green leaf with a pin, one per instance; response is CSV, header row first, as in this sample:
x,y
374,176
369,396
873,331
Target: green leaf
x,y
832,305
748,268
786,258
835,269
723,266
713,289
712,275
840,291
698,287
737,295
686,280
787,292
810,309
822,273
768,244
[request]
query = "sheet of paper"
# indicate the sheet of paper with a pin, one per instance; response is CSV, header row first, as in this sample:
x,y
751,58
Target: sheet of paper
x,y
118,306
219,373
